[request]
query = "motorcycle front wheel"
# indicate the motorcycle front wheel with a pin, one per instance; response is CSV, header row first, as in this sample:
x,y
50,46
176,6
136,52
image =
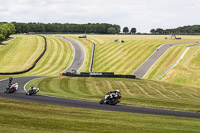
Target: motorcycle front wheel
x,y
101,102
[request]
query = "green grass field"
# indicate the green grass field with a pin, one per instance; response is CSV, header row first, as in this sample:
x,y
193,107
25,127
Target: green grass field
x,y
146,93
22,117
170,57
20,53
122,58
188,70
58,57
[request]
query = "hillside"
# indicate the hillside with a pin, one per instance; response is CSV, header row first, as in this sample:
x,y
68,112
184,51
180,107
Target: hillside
x,y
137,92
122,58
57,58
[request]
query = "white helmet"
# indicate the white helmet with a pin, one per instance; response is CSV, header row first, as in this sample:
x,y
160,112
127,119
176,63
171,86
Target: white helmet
x,y
117,90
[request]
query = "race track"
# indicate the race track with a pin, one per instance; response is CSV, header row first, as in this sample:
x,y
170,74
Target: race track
x,y
79,54
20,95
76,64
149,62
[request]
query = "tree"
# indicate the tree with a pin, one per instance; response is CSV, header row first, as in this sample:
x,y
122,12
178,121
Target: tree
x,y
153,31
133,31
6,29
2,37
111,30
99,28
159,31
125,30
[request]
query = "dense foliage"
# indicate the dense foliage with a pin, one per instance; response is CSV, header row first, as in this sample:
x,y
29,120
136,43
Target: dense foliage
x,y
98,28
191,30
6,29
125,30
133,31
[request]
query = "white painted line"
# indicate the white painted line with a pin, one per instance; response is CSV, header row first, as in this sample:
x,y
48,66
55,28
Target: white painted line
x,y
3,80
171,45
179,59
30,81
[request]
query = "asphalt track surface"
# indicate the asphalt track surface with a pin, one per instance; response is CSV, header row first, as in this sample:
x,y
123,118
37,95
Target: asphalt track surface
x,y
79,54
20,95
147,64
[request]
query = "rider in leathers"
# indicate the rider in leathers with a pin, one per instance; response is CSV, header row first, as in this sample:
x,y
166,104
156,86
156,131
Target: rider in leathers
x,y
110,95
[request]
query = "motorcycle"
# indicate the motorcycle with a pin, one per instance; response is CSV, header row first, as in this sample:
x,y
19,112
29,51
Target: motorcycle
x,y
11,88
111,99
32,90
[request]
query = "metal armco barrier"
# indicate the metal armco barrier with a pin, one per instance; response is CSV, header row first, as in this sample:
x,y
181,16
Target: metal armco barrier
x,y
98,74
33,65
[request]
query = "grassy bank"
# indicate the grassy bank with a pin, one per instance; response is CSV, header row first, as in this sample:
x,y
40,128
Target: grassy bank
x,y
122,58
21,117
169,58
147,93
58,57
20,53
188,70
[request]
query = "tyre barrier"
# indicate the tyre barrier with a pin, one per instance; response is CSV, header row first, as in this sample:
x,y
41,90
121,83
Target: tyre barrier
x,y
97,74
33,65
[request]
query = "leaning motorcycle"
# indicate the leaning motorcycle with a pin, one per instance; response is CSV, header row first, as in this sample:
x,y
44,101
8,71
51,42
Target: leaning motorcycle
x,y
11,89
111,101
32,90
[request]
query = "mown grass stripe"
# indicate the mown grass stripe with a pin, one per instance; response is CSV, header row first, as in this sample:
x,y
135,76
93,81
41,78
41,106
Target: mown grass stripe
x,y
108,57
48,58
121,59
55,65
109,51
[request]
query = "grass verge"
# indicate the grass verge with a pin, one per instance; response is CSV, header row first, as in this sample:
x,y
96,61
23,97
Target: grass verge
x,y
22,117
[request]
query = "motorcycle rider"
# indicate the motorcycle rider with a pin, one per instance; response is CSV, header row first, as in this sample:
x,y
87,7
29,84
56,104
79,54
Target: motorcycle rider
x,y
32,88
10,82
15,86
112,94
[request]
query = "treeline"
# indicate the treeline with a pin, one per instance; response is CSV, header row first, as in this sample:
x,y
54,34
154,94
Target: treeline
x,y
185,30
98,28
6,29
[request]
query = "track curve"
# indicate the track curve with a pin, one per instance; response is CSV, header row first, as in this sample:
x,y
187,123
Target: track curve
x,y
79,54
149,62
20,95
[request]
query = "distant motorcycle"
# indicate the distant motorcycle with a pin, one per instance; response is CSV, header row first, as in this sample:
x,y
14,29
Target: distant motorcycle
x,y
32,90
11,88
111,99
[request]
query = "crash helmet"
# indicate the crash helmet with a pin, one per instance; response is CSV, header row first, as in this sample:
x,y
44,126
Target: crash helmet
x,y
16,83
117,91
